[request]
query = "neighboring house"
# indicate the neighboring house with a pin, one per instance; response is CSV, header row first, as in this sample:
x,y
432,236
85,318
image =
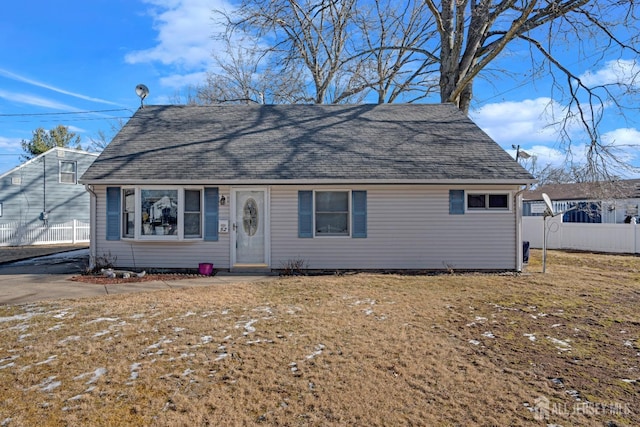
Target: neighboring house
x,y
259,187
611,202
45,189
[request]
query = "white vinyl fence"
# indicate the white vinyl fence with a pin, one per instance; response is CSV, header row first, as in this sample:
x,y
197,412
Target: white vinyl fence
x,y
614,238
16,234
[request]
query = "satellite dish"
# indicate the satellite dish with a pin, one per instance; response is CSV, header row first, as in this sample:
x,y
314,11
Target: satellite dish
x,y
142,91
547,201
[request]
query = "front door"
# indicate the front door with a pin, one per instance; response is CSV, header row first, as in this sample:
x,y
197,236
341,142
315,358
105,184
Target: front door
x,y
250,228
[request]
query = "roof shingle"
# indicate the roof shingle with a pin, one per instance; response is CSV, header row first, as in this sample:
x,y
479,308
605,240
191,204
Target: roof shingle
x,y
274,143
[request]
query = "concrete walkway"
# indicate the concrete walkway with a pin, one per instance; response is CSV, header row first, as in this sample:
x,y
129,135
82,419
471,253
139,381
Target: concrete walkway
x,y
36,277
27,288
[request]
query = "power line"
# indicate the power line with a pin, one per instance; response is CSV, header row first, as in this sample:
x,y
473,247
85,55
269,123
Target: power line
x,y
63,113
72,120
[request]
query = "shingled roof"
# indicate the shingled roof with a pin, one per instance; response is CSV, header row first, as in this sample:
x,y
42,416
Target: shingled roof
x,y
599,190
303,143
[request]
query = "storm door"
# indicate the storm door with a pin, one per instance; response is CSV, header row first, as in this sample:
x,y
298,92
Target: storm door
x,y
250,227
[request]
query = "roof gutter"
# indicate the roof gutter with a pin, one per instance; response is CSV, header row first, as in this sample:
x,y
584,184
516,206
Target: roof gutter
x,y
327,181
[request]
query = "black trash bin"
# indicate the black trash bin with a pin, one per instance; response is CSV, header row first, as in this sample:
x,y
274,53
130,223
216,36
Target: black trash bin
x,y
525,251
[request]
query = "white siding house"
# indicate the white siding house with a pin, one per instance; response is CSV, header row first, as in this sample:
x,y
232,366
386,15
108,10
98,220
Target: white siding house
x,y
366,187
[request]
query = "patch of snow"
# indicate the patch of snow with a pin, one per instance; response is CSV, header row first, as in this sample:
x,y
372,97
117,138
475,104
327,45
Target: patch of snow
x,y
76,397
227,338
96,374
471,324
49,384
187,372
248,327
137,316
188,314
225,311
69,339
8,365
628,343
23,336
474,342
103,319
163,340
24,316
221,356
63,314
488,335
560,345
531,337
556,325
480,319
101,333
49,360
368,311
206,339
628,381
317,352
134,370
56,327
176,330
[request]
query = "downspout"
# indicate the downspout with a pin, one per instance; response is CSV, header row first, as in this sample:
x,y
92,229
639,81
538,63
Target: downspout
x,y
92,226
519,227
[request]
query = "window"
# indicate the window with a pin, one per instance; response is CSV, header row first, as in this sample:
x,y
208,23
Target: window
x,y
128,212
68,172
192,213
0,208
157,213
332,213
487,201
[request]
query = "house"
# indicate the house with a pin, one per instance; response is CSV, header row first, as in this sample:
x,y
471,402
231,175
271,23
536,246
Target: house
x,y
258,187
607,202
45,189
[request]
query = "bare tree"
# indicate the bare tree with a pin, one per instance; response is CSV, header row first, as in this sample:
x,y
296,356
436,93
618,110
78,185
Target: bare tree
x,y
103,138
347,50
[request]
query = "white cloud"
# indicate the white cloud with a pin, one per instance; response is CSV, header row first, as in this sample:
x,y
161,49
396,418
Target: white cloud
x,y
10,143
182,80
35,101
16,77
185,29
629,137
519,122
620,71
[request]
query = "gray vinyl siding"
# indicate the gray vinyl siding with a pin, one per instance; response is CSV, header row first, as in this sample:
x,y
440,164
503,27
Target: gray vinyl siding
x,y
39,189
147,254
408,227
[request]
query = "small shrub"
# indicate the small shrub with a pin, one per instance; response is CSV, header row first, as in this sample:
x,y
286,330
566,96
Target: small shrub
x,y
294,267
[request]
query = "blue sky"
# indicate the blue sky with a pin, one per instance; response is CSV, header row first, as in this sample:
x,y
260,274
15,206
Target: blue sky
x,y
69,56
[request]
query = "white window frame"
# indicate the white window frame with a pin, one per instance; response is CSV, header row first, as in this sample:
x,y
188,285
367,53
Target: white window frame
x,y
486,194
349,214
138,236
75,172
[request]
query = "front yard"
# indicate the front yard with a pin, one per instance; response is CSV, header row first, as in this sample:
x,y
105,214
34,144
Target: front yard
x,y
561,348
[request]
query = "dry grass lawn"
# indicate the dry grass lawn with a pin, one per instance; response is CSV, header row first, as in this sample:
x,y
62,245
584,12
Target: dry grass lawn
x,y
561,348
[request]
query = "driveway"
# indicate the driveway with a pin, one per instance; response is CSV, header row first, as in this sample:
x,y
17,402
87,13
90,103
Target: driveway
x,y
47,278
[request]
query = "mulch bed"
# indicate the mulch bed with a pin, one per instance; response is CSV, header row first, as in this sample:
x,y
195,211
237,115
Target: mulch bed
x,y
102,280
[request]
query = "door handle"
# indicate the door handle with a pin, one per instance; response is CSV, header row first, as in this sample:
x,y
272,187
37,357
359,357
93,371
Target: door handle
x,y
234,227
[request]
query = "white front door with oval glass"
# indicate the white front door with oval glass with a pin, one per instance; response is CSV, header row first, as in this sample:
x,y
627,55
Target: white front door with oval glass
x,y
250,228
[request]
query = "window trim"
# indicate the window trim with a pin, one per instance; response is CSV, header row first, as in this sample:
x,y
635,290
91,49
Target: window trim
x,y
75,172
180,236
486,194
